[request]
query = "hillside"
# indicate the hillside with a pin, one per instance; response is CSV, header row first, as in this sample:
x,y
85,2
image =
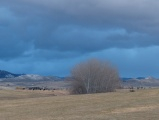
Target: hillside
x,y
6,74
141,82
32,80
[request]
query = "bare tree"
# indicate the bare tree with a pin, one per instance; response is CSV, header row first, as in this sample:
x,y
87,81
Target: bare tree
x,y
94,76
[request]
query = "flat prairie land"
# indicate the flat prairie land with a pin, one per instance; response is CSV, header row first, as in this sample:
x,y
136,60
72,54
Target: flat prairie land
x,y
120,105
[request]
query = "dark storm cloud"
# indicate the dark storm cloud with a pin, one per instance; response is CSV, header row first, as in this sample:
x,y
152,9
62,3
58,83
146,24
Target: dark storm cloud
x,y
81,26
41,31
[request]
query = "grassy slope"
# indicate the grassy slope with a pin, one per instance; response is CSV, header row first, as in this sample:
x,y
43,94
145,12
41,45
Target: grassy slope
x,y
24,105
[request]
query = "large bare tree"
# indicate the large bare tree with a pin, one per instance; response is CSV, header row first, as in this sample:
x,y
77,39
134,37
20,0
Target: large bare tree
x,y
94,76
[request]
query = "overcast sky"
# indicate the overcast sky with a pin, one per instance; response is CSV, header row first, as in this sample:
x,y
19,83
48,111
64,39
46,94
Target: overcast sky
x,y
49,37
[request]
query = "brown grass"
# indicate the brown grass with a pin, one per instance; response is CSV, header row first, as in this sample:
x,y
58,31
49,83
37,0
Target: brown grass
x,y
121,105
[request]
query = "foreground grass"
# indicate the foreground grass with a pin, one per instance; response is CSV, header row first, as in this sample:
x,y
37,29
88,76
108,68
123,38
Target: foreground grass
x,y
25,105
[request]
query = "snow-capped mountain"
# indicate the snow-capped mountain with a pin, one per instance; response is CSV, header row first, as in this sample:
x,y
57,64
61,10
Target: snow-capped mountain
x,y
31,76
34,77
11,81
6,74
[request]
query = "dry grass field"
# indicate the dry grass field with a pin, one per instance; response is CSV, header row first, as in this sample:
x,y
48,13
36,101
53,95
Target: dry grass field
x,y
120,105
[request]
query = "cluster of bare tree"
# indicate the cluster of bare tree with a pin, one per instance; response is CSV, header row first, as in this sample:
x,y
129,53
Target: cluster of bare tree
x,y
94,76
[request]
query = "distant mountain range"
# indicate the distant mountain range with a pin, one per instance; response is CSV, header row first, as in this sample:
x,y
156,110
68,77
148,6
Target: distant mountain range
x,y
138,78
140,81
11,79
6,74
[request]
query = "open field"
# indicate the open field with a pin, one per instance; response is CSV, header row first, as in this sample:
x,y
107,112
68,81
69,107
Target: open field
x,y
121,105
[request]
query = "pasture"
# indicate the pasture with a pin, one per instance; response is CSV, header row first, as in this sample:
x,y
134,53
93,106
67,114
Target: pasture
x,y
120,105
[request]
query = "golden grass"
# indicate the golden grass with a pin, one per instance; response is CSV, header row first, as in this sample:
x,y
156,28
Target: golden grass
x,y
32,105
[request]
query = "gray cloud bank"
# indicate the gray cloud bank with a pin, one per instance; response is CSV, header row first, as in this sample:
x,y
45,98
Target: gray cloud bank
x,y
60,29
